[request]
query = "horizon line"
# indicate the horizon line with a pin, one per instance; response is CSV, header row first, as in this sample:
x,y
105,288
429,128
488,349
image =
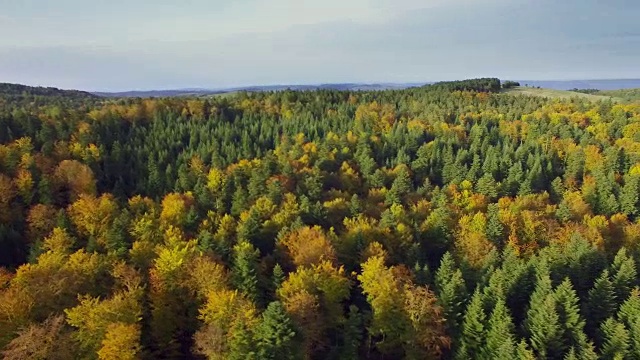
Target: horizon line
x,y
240,87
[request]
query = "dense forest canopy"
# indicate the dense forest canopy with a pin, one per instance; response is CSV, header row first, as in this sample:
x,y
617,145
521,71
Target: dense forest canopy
x,y
449,221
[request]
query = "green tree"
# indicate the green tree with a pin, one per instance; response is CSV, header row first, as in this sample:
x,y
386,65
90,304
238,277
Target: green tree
x,y
275,336
601,304
623,274
474,331
543,322
245,269
500,338
615,337
400,187
452,293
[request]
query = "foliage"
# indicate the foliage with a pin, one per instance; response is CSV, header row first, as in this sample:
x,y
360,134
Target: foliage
x,y
454,220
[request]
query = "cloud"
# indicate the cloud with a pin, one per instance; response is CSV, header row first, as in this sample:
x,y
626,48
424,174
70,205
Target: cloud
x,y
301,42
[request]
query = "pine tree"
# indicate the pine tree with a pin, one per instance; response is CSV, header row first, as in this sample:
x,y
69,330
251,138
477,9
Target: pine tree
x,y
523,352
615,340
275,336
629,315
355,206
352,334
422,274
452,293
474,331
245,269
572,324
557,190
623,274
240,201
278,276
500,339
494,228
601,304
571,355
400,187
487,186
634,332
629,195
542,323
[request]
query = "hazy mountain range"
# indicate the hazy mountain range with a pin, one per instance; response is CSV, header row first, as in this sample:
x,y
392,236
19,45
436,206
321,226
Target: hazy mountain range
x,y
609,84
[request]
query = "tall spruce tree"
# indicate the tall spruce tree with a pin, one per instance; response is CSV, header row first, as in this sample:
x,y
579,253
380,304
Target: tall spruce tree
x,y
601,305
615,344
452,293
474,329
275,335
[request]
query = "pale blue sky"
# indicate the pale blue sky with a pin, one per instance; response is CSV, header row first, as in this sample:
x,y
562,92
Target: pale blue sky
x,y
159,44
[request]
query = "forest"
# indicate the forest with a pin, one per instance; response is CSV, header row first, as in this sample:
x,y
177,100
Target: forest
x,y
449,221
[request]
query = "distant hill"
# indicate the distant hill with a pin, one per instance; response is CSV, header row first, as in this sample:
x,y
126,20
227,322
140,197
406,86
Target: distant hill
x,y
16,96
205,92
7,89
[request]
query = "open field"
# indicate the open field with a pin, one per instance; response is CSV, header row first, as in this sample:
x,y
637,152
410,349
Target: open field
x,y
558,94
624,94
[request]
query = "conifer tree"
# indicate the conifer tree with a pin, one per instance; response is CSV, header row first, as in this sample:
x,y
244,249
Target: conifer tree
x,y
573,336
245,269
543,322
352,337
523,352
278,276
629,198
615,338
275,336
601,304
500,339
474,330
623,274
629,315
400,187
452,293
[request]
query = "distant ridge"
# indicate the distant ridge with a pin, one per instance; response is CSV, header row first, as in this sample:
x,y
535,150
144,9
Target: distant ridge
x,y
606,84
204,92
7,89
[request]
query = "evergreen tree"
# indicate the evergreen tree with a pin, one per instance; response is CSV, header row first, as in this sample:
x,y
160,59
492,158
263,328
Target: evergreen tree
x,y
400,187
278,276
623,274
629,315
245,269
543,322
474,331
572,324
239,202
601,304
487,186
615,337
452,293
629,195
275,336
352,337
494,227
523,352
500,339
242,345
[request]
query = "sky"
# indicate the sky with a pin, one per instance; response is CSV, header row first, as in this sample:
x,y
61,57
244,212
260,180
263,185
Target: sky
x,y
117,45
